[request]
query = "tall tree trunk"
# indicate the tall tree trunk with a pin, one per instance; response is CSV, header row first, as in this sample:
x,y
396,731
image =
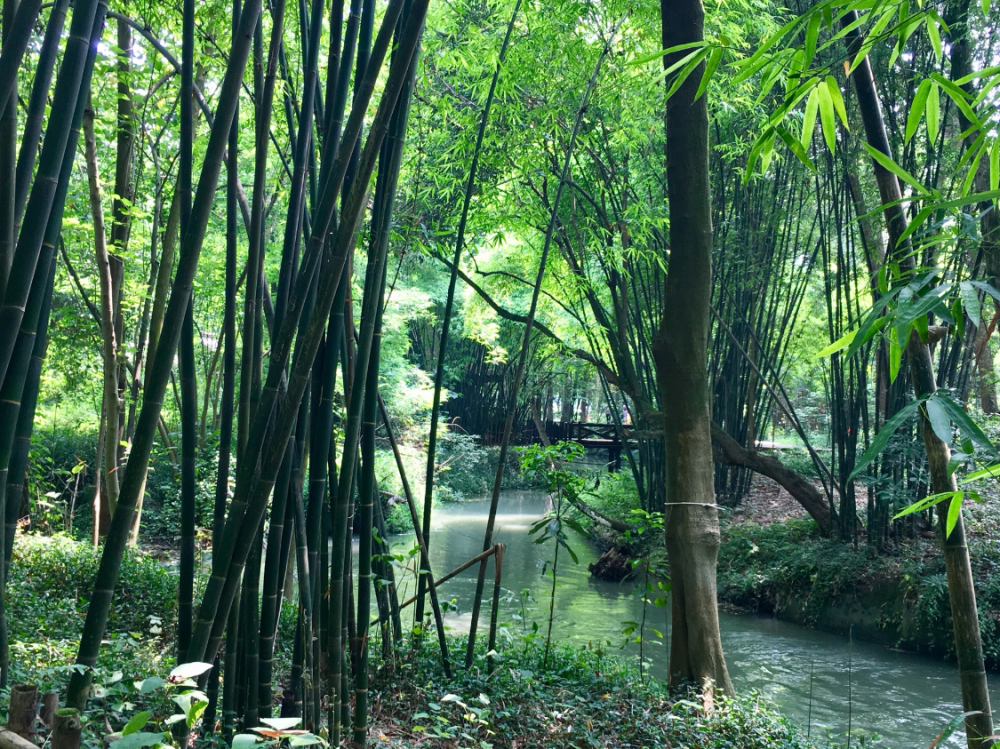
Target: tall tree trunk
x,y
109,342
681,353
961,591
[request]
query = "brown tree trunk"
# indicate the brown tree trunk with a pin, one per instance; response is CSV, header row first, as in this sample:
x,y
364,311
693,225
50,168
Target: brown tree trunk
x,y
680,351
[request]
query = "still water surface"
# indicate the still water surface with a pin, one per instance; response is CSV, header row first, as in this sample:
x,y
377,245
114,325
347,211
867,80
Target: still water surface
x,y
810,676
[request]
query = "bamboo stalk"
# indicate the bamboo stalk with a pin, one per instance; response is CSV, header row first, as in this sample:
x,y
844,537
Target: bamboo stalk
x,y
133,479
449,305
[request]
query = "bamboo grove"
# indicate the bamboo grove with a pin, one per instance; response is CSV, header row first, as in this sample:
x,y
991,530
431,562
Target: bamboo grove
x,y
240,210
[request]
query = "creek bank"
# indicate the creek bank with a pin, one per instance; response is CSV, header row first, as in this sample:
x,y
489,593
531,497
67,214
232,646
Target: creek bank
x,y
897,598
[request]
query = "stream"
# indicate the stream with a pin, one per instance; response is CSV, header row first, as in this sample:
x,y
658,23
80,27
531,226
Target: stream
x,y
821,681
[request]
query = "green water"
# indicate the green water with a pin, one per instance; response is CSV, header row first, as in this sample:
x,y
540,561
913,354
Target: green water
x,y
821,681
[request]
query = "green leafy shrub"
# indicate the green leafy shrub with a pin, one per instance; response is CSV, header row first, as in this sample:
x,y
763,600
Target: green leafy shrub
x,y
583,698
51,579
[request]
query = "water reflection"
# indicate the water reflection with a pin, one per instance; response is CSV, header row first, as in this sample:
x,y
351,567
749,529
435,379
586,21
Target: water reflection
x,y
809,676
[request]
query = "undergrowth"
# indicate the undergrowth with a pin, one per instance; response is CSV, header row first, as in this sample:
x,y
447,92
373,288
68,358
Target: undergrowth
x,y
585,698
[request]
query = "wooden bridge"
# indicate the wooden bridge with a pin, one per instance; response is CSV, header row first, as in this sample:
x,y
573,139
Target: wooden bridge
x,y
589,434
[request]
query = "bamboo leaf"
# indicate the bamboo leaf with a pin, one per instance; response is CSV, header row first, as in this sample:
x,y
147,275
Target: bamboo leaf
x,y
958,96
917,108
838,100
995,164
929,501
958,720
841,343
827,118
713,63
892,166
895,354
796,148
934,35
812,36
938,417
970,300
933,111
643,59
990,472
682,76
809,118
954,511
884,435
965,424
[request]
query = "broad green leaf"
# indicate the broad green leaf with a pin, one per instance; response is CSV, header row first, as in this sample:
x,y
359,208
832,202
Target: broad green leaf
x,y
970,300
190,670
244,741
281,724
826,117
895,354
990,472
643,59
843,342
938,417
148,685
812,35
934,34
710,68
884,435
838,100
929,501
965,424
933,111
958,96
138,740
895,168
687,71
306,739
809,119
917,108
954,512
796,148
137,721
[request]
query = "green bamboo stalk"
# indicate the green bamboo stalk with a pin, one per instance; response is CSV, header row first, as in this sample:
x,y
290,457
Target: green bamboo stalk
x,y
273,573
219,592
525,348
43,192
418,533
17,35
25,423
449,307
189,441
265,102
10,405
134,474
8,165
35,115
